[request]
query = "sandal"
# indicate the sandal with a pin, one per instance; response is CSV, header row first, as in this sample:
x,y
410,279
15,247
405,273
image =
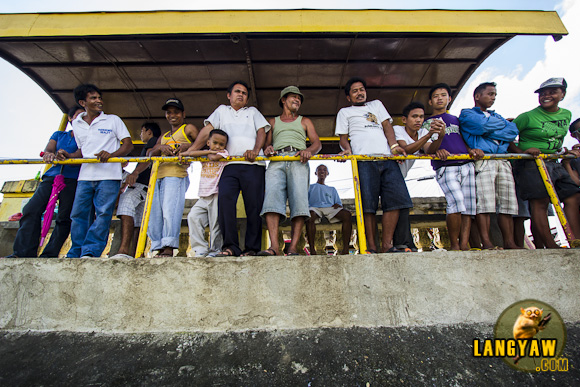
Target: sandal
x,y
226,253
369,251
393,250
292,254
268,253
249,253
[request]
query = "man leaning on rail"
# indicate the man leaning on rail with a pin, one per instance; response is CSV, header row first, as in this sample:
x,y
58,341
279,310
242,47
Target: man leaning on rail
x,y
246,128
288,180
28,235
495,188
368,124
102,136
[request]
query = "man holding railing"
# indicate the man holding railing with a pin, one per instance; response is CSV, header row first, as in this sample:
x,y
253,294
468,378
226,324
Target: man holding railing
x,y
246,128
495,187
368,124
104,136
288,180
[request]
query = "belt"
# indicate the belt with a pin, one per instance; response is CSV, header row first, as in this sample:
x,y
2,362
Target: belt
x,y
288,148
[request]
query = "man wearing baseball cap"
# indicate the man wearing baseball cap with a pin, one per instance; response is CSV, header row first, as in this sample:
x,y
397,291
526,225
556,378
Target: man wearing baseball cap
x,y
172,181
288,180
542,130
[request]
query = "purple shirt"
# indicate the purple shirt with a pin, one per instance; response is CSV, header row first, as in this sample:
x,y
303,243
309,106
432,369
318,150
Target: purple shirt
x,y
452,142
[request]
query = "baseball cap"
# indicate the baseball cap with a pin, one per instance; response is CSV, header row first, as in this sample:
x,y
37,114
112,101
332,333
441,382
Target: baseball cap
x,y
173,102
288,90
553,82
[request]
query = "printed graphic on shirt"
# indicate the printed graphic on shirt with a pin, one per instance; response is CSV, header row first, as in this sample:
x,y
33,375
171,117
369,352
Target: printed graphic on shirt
x,y
371,117
452,128
105,131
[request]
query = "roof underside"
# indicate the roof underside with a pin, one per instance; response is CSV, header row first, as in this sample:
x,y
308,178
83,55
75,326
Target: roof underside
x,y
195,55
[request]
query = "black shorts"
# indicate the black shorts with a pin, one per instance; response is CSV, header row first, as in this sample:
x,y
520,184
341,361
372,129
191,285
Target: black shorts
x,y
531,185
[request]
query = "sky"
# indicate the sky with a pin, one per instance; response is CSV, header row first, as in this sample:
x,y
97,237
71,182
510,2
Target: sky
x,y
29,116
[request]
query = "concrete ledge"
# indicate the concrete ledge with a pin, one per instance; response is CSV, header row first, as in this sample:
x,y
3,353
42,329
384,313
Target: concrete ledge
x,y
420,356
255,293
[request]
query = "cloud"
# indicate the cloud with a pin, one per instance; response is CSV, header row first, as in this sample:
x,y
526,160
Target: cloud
x,y
516,88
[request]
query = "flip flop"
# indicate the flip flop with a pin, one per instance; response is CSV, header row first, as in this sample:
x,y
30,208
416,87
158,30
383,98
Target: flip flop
x,y
393,250
291,254
267,253
122,256
371,251
248,254
226,253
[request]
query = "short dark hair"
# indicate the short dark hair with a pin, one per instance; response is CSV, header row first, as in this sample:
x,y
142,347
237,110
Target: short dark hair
x,y
350,82
481,88
153,127
220,132
231,86
440,86
413,105
81,91
73,110
575,126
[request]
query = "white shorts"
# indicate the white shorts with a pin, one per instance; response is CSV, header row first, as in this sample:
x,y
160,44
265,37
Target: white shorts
x,y
328,212
132,203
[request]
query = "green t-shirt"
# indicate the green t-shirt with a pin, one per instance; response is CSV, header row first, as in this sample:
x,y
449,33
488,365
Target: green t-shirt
x,y
543,130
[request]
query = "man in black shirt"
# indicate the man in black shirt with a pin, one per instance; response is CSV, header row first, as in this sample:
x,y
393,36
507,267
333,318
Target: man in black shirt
x,y
132,201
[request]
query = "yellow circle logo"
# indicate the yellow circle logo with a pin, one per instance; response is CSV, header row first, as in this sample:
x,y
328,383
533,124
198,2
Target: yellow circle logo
x,y
531,336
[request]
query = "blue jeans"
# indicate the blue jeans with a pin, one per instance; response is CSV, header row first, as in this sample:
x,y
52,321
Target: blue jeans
x,y
287,180
167,211
90,238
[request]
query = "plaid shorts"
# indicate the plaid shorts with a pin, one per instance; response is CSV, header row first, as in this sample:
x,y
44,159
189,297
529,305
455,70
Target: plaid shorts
x,y
132,203
495,187
458,184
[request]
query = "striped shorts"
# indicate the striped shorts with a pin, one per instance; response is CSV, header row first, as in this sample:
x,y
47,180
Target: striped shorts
x,y
458,184
496,189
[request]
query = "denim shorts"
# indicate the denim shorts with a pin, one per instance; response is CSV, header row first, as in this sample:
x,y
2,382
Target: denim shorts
x,y
287,180
531,185
384,179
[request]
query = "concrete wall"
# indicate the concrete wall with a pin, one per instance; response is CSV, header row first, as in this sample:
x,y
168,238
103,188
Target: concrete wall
x,y
217,294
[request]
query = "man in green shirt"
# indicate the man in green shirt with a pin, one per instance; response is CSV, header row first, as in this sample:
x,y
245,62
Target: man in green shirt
x,y
542,130
288,180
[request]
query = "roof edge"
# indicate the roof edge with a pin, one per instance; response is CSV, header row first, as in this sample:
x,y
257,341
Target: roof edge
x,y
280,21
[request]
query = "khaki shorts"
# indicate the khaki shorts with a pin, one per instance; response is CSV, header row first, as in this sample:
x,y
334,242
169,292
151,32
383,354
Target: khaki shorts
x,y
328,212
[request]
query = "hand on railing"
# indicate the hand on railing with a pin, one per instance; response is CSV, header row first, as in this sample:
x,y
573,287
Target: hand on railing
x,y
269,151
304,156
476,154
533,151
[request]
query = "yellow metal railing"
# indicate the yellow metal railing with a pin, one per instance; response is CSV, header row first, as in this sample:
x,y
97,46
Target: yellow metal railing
x,y
356,181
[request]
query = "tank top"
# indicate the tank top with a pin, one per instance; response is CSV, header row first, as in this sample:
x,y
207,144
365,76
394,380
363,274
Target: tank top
x,y
173,169
288,134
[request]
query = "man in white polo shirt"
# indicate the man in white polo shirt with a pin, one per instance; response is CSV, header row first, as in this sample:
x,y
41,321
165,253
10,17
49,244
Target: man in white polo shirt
x,y
97,135
246,128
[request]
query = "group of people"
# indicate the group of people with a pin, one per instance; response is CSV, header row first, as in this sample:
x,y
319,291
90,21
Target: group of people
x,y
474,187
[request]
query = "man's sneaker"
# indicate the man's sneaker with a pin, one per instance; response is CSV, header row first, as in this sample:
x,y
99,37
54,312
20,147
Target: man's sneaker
x,y
125,256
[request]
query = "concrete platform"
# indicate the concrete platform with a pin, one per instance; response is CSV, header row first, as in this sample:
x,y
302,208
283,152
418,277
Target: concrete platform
x,y
404,319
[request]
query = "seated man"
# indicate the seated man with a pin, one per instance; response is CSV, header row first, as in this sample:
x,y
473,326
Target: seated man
x,y
495,187
324,201
28,235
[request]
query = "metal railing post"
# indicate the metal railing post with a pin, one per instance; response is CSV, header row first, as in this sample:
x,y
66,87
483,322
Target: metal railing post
x,y
360,223
147,210
554,199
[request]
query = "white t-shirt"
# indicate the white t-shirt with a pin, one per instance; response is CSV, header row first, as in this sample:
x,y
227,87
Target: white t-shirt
x,y
241,127
363,124
401,134
105,133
